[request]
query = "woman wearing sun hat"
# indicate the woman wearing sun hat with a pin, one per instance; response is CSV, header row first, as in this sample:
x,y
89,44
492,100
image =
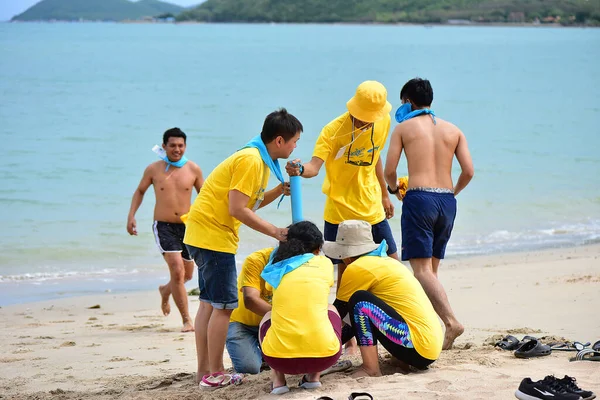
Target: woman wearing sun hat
x,y
350,147
385,302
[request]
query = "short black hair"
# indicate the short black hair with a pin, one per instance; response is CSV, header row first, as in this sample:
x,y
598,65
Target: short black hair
x,y
303,237
280,123
418,91
173,132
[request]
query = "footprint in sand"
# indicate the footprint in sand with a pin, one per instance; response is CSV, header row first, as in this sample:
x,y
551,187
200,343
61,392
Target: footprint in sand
x,y
119,359
438,386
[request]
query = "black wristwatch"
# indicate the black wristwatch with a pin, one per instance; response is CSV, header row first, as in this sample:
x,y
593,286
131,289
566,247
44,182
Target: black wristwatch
x,y
301,169
393,191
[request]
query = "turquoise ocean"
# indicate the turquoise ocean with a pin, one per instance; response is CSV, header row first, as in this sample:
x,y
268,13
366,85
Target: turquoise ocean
x,y
82,105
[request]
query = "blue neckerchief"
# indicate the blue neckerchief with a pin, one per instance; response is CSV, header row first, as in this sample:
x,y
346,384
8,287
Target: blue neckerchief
x,y
257,143
404,113
177,164
381,251
273,273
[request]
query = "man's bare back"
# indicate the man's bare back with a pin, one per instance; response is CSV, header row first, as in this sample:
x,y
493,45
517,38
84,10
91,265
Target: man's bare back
x,y
429,206
430,149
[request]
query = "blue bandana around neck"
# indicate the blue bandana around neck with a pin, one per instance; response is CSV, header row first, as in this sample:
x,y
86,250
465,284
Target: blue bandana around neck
x,y
257,143
380,251
273,273
163,156
405,112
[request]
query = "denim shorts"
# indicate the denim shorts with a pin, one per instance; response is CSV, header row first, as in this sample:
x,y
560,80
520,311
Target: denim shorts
x,y
380,231
243,348
217,277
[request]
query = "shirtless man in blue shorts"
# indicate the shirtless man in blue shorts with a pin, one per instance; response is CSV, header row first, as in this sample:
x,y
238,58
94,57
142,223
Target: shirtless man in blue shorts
x,y
429,206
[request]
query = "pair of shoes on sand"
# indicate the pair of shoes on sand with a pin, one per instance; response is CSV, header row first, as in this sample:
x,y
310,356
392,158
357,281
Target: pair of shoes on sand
x,y
219,380
353,396
304,384
552,388
527,348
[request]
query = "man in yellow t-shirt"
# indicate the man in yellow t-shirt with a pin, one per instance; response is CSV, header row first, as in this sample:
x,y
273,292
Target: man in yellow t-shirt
x,y
231,194
350,146
385,302
254,302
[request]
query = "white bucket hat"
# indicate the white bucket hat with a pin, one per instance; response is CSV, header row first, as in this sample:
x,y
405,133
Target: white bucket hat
x,y
354,238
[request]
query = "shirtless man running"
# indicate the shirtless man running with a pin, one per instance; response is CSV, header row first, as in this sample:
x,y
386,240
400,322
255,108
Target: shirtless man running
x,y
429,206
173,178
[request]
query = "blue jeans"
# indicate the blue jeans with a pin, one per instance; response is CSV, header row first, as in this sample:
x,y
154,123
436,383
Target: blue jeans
x,y
243,348
217,277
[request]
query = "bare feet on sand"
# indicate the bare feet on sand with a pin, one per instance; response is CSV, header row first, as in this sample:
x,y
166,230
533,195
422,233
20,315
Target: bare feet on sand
x,y
452,332
361,372
164,295
188,326
351,348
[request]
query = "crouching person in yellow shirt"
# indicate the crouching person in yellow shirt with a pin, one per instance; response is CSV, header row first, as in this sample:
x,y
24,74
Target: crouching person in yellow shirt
x,y
385,302
302,333
254,301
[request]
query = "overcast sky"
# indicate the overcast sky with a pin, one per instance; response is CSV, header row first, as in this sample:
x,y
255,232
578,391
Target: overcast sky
x,y
10,8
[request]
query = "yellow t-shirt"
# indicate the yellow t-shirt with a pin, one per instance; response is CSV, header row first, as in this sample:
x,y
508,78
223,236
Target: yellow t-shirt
x,y
209,225
250,277
353,192
393,283
300,324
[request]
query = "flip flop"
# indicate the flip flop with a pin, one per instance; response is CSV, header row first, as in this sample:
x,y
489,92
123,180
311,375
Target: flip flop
x,y
587,355
533,348
339,366
509,342
213,381
219,380
279,389
304,384
356,395
324,398
596,346
568,346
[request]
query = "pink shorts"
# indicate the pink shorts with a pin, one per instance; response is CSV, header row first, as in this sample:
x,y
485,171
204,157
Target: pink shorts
x,y
305,365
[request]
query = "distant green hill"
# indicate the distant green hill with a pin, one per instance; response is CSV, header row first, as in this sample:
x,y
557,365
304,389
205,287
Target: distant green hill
x,y
393,11
104,10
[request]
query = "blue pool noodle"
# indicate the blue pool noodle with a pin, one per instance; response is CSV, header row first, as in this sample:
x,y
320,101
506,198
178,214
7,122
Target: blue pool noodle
x,y
296,193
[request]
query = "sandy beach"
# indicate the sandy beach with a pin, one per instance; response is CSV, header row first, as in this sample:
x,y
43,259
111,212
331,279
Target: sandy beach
x,y
120,346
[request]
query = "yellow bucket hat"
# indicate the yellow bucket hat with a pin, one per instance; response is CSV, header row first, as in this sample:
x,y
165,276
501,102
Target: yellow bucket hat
x,y
369,104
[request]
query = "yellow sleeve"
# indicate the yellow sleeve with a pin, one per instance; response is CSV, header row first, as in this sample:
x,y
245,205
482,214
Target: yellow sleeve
x,y
354,279
247,175
323,147
388,124
253,267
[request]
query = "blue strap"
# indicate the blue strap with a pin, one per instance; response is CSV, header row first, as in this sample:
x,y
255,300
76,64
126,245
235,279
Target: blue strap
x,y
257,143
381,251
273,273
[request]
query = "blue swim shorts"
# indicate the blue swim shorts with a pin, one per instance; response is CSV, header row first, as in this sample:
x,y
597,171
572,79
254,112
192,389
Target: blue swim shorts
x,y
427,222
380,231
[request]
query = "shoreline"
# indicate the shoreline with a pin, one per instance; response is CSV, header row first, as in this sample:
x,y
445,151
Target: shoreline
x,y
88,289
355,23
84,288
127,349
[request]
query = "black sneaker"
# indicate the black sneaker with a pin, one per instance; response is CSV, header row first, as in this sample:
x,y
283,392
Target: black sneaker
x,y
570,384
547,389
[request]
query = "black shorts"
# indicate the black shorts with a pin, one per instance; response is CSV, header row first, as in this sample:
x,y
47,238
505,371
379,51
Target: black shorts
x,y
169,238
